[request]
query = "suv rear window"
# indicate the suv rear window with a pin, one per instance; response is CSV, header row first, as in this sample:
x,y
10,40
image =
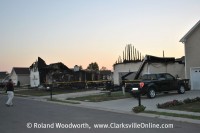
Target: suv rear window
x,y
144,77
149,77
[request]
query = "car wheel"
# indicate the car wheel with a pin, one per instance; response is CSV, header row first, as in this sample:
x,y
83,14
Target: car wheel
x,y
181,89
151,93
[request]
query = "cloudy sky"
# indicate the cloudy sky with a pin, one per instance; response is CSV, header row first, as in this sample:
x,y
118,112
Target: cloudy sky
x,y
78,32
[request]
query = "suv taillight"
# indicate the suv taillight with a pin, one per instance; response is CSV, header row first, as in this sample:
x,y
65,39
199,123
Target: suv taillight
x,y
141,84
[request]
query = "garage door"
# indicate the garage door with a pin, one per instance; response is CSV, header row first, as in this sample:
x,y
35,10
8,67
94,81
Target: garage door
x,y
195,78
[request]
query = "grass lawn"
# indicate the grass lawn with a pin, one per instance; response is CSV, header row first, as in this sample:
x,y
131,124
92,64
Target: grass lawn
x,y
43,92
192,107
173,114
33,92
102,97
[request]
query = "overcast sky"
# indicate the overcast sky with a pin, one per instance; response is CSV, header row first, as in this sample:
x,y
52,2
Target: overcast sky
x,y
78,32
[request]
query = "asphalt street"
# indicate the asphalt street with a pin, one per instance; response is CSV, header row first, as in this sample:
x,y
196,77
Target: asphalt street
x,y
30,116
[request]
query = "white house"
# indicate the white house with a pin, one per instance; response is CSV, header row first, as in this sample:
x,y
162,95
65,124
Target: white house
x,y
20,75
37,73
34,75
191,41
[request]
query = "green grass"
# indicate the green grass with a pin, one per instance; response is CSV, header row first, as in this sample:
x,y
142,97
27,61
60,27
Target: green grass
x,y
33,92
173,114
43,92
192,107
102,97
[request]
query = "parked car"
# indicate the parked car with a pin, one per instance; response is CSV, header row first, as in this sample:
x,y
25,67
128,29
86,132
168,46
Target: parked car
x,y
150,84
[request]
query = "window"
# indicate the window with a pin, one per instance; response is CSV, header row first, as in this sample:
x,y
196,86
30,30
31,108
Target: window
x,y
169,77
149,77
161,77
153,77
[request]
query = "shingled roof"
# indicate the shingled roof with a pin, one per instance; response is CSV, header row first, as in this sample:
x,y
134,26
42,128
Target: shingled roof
x,y
21,70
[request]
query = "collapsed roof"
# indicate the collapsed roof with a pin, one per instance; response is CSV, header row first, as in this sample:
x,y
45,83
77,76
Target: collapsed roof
x,y
154,59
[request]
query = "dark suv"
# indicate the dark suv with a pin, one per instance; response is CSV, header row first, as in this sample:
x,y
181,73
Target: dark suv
x,y
151,84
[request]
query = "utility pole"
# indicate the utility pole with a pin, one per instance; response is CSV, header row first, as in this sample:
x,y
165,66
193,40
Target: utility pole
x,y
163,54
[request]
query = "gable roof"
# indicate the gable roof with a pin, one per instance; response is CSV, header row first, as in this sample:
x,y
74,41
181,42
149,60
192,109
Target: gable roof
x,y
183,39
21,70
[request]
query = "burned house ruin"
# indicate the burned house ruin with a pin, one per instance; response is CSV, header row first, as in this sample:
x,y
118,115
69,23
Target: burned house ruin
x,y
43,74
134,65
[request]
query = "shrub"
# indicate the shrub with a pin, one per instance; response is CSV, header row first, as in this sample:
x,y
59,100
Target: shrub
x,y
176,102
197,99
169,104
138,109
188,100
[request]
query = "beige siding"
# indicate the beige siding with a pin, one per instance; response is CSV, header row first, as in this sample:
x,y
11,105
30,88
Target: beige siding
x,y
24,79
192,51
